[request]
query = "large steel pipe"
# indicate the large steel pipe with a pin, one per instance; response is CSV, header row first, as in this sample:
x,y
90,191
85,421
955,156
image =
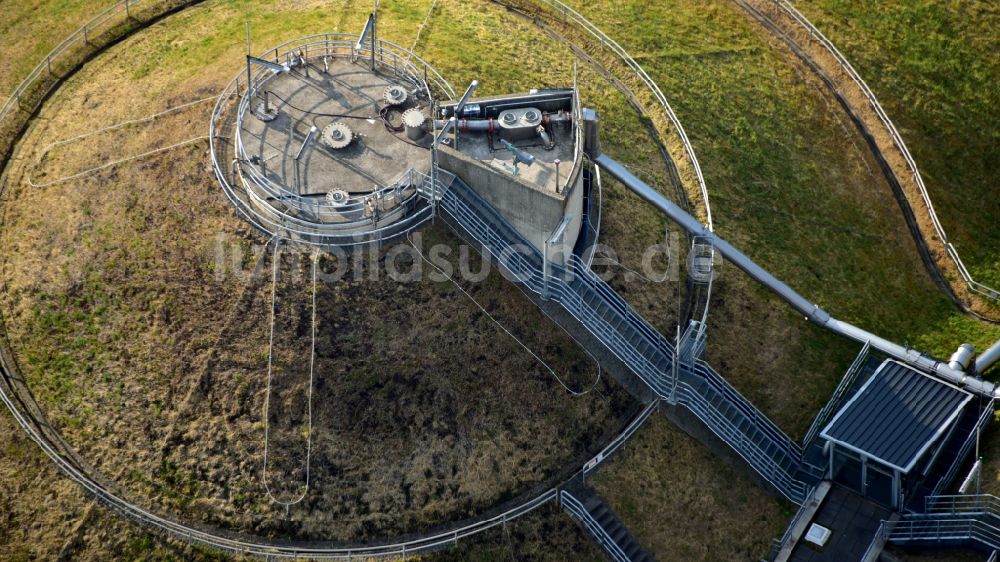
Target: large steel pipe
x,y
810,310
987,358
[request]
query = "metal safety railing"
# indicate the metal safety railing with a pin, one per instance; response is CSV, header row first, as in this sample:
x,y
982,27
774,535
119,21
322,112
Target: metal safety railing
x,y
963,503
12,390
846,383
598,459
275,209
959,529
119,13
564,14
603,313
805,510
576,510
963,452
568,15
878,543
897,139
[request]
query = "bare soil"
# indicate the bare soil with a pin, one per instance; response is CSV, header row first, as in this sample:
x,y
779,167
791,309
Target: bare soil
x,y
150,354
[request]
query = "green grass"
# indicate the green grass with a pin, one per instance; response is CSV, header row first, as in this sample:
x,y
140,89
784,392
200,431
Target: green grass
x,y
682,514
789,181
30,31
933,66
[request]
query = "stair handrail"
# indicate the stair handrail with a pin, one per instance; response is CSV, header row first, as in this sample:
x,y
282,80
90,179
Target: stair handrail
x,y
967,445
846,383
580,513
779,473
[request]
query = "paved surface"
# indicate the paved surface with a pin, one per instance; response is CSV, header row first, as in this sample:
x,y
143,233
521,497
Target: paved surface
x,y
375,158
853,522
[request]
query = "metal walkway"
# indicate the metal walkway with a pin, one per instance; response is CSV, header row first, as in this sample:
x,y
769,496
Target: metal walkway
x,y
603,526
648,354
961,520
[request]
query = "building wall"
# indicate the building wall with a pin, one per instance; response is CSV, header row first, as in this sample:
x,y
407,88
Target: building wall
x,y
532,212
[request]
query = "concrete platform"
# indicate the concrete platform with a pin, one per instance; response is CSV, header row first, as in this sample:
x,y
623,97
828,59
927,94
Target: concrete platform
x,y
853,522
351,94
542,173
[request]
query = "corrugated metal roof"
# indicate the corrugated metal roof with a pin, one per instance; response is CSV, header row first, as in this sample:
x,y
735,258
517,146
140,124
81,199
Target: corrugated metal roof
x,y
896,416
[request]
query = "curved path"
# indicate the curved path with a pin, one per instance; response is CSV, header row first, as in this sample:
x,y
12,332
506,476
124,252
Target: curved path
x,y
795,23
18,398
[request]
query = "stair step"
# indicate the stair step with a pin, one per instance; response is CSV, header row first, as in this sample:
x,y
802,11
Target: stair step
x,y
632,550
616,531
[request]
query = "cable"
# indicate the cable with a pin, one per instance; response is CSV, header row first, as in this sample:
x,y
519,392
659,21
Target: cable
x,y
384,115
45,151
152,117
114,163
420,30
512,336
312,362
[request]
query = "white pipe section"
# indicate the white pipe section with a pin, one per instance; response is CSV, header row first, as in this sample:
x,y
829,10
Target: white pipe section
x,y
811,311
466,97
987,358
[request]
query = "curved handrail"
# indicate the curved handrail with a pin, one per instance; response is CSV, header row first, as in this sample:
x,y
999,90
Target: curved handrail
x,y
80,35
897,139
54,449
569,14
249,196
58,452
573,506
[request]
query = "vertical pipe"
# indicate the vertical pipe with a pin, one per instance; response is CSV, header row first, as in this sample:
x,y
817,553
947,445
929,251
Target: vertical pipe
x,y
434,160
374,23
298,156
546,269
987,358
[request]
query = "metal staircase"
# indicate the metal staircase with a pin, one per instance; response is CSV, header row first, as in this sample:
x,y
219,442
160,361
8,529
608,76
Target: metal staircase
x,y
650,356
603,526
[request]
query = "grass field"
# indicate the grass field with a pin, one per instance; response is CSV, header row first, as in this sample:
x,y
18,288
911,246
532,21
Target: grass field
x,y
683,514
31,29
933,67
790,183
130,362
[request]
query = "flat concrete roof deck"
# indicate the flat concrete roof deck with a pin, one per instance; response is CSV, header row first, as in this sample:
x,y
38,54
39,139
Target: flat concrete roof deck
x,y
375,158
542,173
853,522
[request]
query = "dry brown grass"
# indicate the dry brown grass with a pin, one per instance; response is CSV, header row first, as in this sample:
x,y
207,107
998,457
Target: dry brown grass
x,y
145,357
682,503
146,395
